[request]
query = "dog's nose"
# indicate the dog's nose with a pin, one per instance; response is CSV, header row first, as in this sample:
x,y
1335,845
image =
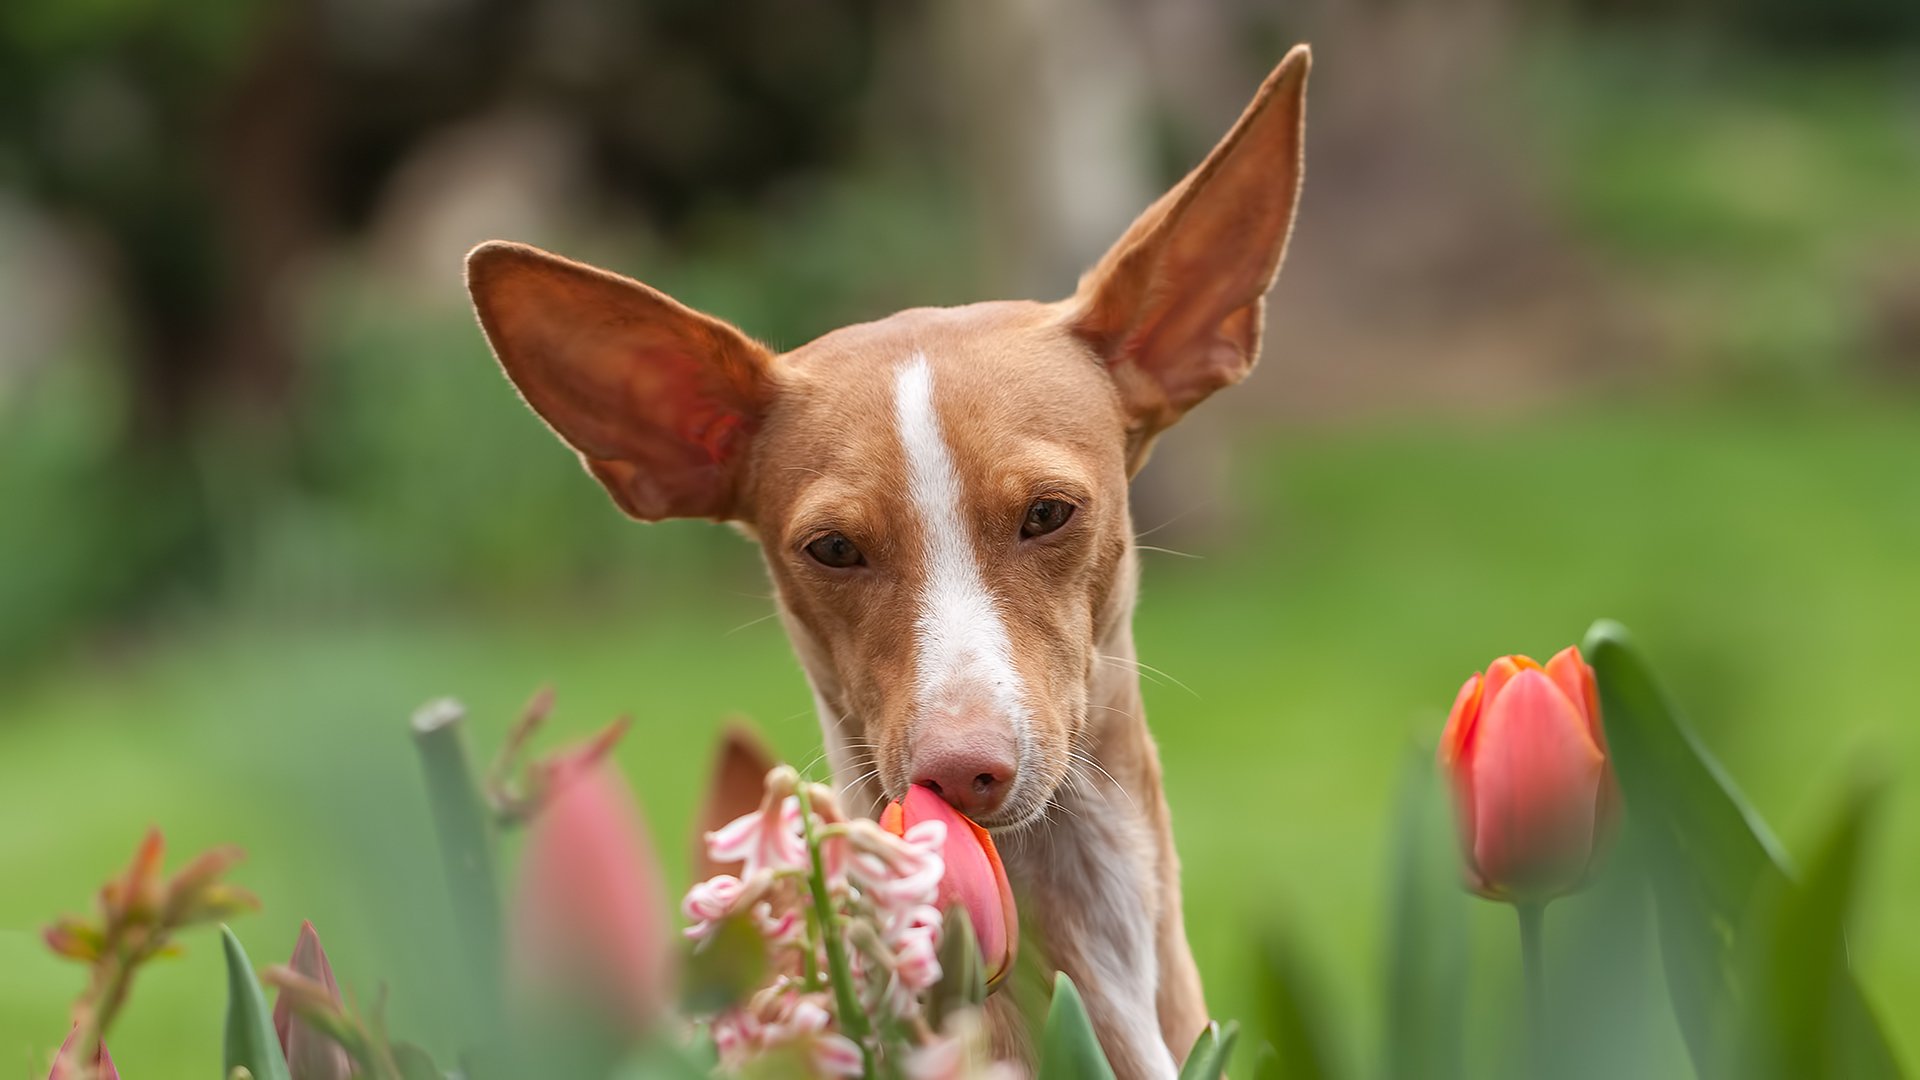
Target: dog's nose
x,y
972,770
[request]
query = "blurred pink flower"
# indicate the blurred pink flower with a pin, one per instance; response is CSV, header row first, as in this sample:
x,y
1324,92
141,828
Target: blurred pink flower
x,y
65,1068
310,1054
589,920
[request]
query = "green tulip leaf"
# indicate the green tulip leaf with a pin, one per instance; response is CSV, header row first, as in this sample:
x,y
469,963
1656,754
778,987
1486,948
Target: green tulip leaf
x,y
1426,932
1069,1049
1266,1063
1707,855
415,1063
250,1040
1208,1058
1794,1021
1290,1007
725,969
963,978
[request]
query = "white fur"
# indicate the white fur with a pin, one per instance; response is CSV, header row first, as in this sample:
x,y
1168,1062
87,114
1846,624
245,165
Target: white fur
x,y
960,645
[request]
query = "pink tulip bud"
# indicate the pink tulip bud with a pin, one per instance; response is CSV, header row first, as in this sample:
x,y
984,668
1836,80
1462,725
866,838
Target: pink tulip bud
x,y
974,879
310,1054
65,1067
1532,786
590,921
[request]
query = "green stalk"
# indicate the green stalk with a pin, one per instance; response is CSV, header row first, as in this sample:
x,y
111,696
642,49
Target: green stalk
x,y
1533,959
853,1019
466,856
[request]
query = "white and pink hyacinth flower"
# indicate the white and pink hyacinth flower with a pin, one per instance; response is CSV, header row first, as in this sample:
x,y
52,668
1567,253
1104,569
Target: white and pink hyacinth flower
x,y
885,889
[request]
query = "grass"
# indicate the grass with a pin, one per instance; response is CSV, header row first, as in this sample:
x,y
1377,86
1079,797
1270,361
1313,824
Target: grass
x,y
1763,555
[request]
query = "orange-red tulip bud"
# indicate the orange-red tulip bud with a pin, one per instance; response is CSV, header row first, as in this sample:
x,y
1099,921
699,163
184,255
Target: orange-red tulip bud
x,y
974,879
1532,786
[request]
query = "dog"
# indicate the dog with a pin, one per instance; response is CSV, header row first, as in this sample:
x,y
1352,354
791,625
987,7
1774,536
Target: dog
x,y
941,500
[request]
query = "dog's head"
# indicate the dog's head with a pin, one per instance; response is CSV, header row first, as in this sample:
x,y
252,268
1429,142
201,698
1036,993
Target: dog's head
x,y
941,495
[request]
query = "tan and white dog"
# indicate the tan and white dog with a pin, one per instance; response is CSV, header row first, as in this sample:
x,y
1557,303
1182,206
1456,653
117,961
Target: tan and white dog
x,y
941,499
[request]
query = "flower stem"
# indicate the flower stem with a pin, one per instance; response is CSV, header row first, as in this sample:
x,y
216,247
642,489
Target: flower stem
x,y
853,1020
1533,958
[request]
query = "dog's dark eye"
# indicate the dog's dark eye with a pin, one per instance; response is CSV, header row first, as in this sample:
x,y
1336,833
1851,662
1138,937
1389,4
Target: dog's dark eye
x,y
1044,516
836,551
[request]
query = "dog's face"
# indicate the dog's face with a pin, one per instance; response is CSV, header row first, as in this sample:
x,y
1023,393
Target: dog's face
x,y
941,494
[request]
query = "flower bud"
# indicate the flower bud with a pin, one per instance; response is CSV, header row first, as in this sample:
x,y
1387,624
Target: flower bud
x,y
1533,790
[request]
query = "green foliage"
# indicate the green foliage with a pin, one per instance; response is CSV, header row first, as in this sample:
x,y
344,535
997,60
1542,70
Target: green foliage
x,y
1292,1009
250,1040
963,979
1426,946
1211,1052
724,969
1069,1050
1708,856
1800,1013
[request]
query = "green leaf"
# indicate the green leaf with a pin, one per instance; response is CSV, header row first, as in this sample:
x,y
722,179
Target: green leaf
x,y
1068,1048
1793,1021
963,978
1208,1058
1292,1015
250,1041
1707,855
1266,1063
415,1063
1426,932
725,969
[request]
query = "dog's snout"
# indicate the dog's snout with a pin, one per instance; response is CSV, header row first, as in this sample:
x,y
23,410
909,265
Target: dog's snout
x,y
973,770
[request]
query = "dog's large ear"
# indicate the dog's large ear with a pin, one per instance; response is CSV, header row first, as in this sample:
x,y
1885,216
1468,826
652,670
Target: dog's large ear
x,y
1175,307
659,400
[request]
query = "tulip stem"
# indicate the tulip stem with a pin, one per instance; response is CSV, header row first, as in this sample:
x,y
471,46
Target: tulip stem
x,y
1533,958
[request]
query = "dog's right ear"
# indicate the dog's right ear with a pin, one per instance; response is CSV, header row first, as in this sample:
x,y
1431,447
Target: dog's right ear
x,y
659,400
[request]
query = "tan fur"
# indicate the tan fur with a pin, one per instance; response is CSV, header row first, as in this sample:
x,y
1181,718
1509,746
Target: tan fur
x,y
681,415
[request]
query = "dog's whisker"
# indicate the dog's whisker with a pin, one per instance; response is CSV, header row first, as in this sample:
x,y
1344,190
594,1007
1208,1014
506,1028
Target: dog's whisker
x,y
1167,551
752,623
1195,508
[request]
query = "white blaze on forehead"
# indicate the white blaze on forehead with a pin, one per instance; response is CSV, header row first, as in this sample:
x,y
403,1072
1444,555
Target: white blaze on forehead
x,y
961,650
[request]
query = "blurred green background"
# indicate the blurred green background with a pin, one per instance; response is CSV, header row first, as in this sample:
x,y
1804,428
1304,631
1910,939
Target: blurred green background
x,y
1600,307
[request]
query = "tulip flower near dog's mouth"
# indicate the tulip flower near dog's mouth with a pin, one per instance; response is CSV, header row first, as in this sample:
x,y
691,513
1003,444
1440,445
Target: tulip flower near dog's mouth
x,y
975,881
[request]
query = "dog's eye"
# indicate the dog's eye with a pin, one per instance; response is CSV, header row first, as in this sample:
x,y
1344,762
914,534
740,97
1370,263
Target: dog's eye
x,y
1044,516
836,551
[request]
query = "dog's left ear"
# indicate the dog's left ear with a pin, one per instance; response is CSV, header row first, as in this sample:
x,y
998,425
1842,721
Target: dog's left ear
x,y
1175,308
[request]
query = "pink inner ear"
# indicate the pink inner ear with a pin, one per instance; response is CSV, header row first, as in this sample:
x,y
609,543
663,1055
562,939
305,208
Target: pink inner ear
x,y
713,431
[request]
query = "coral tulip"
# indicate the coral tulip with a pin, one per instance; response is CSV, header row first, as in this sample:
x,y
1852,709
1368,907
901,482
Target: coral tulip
x,y
1532,785
974,880
590,924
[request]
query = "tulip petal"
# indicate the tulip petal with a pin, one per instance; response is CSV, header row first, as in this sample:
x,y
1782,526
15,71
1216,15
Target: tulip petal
x,y
1574,678
1501,672
1460,721
1536,780
975,879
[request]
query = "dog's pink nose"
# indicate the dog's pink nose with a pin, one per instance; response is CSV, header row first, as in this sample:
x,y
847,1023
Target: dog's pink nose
x,y
972,770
